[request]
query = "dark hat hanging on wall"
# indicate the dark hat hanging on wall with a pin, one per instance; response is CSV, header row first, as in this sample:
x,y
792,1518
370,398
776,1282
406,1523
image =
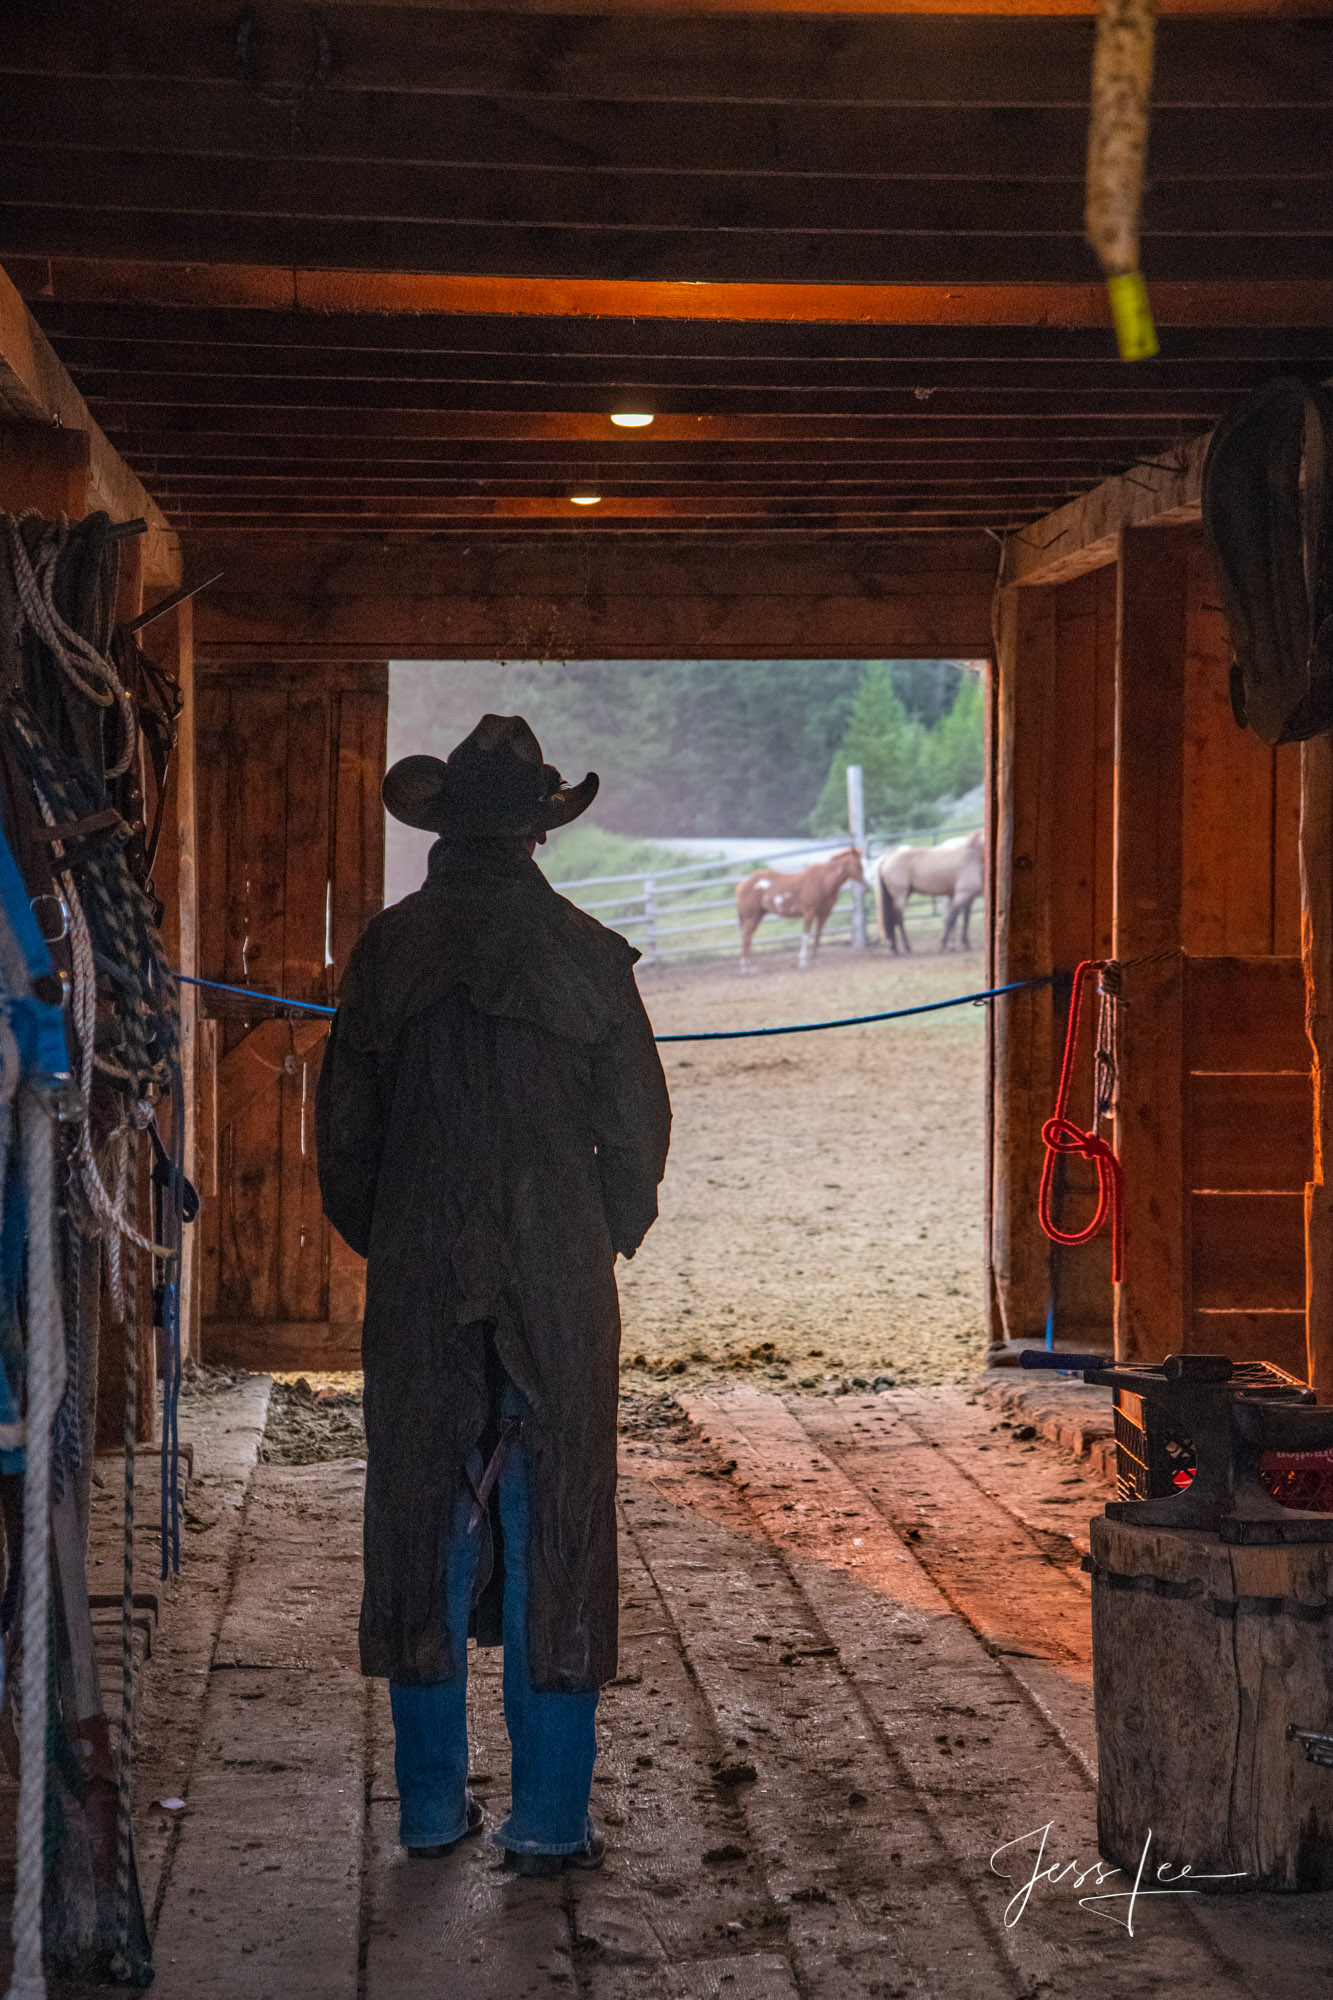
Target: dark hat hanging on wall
x,y
493,784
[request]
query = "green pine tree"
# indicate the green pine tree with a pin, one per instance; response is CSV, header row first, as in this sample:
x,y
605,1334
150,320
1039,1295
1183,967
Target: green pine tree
x,y
956,753
892,751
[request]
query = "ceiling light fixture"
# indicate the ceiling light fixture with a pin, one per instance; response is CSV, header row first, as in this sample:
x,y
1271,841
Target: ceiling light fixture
x,y
586,499
630,420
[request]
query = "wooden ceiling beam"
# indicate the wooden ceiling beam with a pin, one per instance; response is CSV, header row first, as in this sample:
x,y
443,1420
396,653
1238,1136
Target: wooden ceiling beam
x,y
163,468
317,374
160,281
547,477
1008,514
360,199
383,127
279,287
545,507
612,254
238,428
886,56
796,595
739,539
1118,395
365,341
1084,534
449,497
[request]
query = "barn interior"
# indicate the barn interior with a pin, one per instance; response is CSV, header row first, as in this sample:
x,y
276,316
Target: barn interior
x,y
342,304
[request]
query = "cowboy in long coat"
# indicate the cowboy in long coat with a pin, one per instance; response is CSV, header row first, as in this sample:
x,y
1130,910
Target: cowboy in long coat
x,y
492,1126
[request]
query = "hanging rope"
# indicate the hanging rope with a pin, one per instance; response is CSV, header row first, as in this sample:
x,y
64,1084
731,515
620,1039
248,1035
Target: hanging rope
x,y
46,1363
120,918
87,670
1122,66
709,1035
106,1210
1064,1139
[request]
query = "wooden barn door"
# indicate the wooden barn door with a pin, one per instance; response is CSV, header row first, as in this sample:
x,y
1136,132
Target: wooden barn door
x,y
1135,820
1216,1114
291,868
1053,785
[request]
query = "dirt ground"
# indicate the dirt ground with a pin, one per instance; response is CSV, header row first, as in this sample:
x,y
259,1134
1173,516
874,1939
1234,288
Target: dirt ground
x,y
824,1192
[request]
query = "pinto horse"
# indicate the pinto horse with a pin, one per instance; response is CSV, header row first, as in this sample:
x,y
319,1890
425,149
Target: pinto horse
x,y
809,896
956,869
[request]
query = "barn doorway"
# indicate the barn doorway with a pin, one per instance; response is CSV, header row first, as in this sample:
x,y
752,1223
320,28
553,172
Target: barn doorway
x,y
823,1215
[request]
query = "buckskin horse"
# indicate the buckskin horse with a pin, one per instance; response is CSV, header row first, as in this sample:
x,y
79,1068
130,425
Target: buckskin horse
x,y
956,869
809,896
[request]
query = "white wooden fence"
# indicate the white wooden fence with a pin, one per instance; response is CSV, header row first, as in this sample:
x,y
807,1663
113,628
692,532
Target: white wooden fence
x,y
682,912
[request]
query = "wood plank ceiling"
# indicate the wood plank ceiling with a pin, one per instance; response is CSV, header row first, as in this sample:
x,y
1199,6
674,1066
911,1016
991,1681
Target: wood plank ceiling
x,y
392,268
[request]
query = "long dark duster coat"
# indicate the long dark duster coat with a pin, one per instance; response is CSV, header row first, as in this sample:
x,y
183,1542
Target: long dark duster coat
x,y
492,1125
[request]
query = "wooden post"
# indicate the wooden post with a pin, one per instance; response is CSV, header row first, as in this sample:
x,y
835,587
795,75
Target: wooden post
x,y
1021,1035
650,920
187,903
994,1323
1152,1301
856,826
1317,960
1192,1708
170,640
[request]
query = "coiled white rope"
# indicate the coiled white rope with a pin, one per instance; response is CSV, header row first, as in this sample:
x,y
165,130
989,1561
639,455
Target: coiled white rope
x,y
46,1377
107,1209
83,666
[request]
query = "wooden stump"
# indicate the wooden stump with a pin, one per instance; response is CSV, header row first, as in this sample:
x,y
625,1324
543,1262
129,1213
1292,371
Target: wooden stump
x,y
1202,1655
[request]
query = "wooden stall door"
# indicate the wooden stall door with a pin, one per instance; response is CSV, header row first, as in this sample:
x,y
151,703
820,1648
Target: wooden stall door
x,y
1135,819
291,868
1053,784
1216,1113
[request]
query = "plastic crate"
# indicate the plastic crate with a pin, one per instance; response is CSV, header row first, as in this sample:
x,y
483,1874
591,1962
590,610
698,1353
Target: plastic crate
x,y
1154,1458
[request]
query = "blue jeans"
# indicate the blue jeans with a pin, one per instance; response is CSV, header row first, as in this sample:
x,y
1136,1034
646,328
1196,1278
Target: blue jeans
x,y
552,1737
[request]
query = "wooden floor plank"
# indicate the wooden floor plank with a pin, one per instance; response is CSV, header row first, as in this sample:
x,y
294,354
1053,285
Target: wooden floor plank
x,y
994,1770
758,1976
1026,1609
654,1910
263,1896
843,1614
459,1925
657,1795
1052,1491
224,1428
840,1839
1279,1946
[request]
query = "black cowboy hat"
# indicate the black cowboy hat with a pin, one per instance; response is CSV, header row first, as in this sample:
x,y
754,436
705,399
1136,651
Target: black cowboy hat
x,y
492,784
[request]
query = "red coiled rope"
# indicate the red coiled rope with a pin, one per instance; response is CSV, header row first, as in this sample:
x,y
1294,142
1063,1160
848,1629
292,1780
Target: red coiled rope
x,y
1063,1138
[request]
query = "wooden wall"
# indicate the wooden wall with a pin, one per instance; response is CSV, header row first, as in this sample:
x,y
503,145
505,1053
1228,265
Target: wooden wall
x,y
1216,1115
595,596
291,868
1135,820
52,468
1054,780
169,642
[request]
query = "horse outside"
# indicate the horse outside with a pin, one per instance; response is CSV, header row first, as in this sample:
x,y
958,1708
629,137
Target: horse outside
x,y
809,895
677,913
955,870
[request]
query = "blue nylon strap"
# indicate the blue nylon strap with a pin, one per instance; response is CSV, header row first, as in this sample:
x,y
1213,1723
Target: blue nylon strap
x,y
252,993
713,1035
855,1020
